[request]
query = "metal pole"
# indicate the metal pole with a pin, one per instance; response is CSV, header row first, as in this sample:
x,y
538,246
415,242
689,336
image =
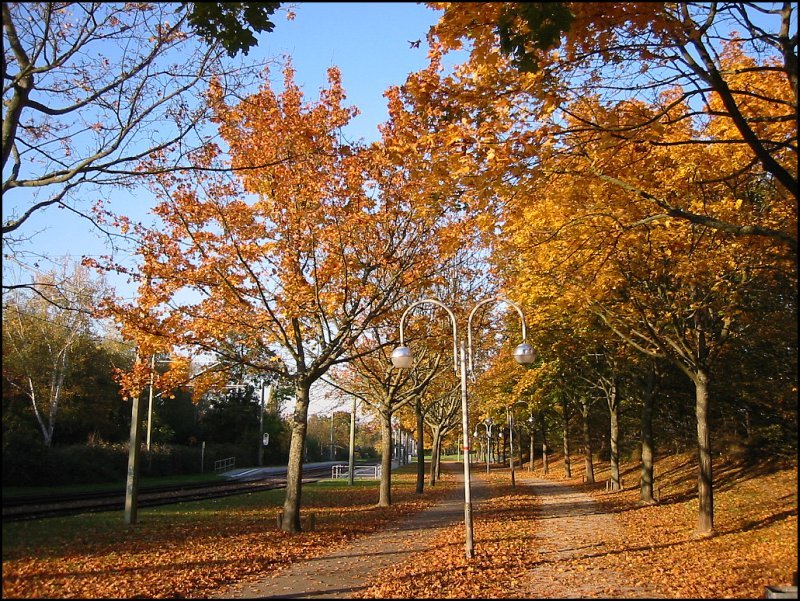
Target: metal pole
x,y
333,457
511,444
150,404
488,446
531,450
261,429
470,552
352,459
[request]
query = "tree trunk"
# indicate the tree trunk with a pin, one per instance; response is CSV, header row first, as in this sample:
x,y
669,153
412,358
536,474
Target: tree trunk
x,y
565,435
385,498
294,472
705,490
420,448
613,410
545,463
436,439
647,481
587,442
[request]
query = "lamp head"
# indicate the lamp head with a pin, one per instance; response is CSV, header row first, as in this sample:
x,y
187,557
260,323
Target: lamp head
x,y
524,354
402,357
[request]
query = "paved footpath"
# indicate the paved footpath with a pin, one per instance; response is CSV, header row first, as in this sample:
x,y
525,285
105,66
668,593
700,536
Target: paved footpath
x,y
571,524
344,572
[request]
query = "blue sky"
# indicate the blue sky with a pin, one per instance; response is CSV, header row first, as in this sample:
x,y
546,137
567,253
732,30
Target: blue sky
x,y
368,41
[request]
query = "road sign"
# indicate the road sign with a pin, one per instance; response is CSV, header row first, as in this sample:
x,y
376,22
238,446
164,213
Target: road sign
x,y
266,438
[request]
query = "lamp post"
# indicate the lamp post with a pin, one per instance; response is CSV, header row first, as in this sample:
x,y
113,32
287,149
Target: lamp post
x,y
510,420
487,424
530,431
403,358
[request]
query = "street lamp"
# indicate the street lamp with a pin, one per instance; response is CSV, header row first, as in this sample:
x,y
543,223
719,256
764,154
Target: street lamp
x,y
510,420
530,431
403,358
487,423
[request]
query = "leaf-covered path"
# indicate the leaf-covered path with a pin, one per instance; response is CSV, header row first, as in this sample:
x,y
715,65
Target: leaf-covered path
x,y
573,525
570,524
343,573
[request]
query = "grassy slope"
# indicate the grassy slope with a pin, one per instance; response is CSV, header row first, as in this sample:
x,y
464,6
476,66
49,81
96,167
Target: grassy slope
x,y
755,545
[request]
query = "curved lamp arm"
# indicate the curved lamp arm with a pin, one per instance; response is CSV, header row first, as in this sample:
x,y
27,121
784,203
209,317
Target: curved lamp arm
x,y
452,321
469,323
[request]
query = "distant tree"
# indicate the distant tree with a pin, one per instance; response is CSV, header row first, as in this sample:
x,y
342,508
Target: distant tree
x,y
232,417
45,338
385,390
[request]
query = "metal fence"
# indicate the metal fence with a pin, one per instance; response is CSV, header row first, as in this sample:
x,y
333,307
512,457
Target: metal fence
x,y
224,464
360,472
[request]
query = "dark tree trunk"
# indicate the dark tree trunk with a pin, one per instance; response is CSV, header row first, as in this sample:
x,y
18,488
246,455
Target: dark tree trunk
x,y
294,481
420,449
587,442
705,489
647,480
565,435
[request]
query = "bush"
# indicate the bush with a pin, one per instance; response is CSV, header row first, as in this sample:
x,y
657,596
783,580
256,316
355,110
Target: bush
x,y
22,460
28,462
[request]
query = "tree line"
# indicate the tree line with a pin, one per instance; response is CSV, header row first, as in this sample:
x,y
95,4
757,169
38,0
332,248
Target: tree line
x,y
626,172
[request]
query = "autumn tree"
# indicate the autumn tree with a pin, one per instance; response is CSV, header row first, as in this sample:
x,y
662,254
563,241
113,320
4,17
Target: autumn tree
x,y
442,415
672,289
734,64
605,374
372,379
658,134
299,258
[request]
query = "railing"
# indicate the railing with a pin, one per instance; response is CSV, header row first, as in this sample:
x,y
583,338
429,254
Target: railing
x,y
224,464
361,472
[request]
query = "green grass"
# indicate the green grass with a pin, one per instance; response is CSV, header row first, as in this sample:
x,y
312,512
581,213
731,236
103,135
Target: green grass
x,y
105,527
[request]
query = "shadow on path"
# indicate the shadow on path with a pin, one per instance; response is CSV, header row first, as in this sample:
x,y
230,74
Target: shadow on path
x,y
572,525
